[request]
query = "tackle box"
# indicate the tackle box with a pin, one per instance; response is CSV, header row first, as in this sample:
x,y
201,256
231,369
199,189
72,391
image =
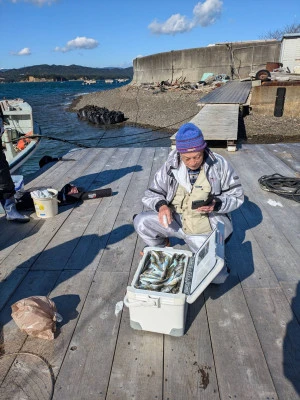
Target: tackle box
x,y
166,312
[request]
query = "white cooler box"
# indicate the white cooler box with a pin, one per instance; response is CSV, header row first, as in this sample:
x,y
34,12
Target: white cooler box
x,y
166,312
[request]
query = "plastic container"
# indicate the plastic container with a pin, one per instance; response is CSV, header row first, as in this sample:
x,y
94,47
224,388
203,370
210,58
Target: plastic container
x,y
166,312
18,181
46,207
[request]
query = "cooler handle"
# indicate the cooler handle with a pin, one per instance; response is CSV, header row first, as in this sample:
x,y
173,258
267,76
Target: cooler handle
x,y
140,303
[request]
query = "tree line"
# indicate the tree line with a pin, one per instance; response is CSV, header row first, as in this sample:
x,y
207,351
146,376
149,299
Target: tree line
x,y
63,72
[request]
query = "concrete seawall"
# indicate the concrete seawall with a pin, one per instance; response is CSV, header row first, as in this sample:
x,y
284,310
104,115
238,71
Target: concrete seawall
x,y
236,60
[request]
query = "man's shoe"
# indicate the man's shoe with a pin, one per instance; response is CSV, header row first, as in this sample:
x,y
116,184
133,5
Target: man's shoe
x,y
166,244
13,215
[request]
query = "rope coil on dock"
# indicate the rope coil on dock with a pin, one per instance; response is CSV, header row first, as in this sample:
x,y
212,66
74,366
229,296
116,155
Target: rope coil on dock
x,y
285,186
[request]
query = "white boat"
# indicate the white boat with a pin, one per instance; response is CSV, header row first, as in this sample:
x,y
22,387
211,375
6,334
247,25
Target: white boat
x,y
89,82
109,80
18,145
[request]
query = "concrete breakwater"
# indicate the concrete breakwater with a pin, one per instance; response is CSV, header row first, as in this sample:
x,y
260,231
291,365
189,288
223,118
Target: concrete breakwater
x,y
236,60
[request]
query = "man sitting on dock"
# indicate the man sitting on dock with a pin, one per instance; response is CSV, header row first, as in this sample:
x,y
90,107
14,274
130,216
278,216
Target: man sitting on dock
x,y
191,173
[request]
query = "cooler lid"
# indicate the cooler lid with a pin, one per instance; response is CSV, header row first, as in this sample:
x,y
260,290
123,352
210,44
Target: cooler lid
x,y
208,262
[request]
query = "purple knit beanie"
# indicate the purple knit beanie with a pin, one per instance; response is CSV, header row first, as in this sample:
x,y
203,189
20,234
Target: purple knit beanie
x,y
189,138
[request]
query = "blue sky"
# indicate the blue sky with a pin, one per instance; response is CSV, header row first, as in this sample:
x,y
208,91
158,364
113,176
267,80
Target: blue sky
x,y
102,34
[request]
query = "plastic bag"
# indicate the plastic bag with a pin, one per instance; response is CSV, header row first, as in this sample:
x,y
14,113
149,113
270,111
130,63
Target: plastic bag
x,y
36,316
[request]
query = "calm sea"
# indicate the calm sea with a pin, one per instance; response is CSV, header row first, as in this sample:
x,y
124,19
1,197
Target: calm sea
x,y
50,101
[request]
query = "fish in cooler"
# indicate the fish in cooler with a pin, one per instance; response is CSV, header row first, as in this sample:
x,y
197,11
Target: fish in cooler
x,y
162,272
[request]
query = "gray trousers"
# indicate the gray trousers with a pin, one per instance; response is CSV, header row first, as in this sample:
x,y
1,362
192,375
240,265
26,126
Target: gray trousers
x,y
153,233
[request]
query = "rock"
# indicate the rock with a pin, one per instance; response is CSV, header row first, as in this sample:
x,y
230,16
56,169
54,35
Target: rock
x,y
100,115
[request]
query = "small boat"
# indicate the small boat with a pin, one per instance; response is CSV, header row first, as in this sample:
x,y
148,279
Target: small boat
x,y
18,126
89,82
109,80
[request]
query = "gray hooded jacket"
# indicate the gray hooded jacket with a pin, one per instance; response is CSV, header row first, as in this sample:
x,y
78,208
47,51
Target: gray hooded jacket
x,y
225,186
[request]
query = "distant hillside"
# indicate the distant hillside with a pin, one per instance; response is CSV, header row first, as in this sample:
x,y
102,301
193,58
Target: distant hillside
x,y
63,72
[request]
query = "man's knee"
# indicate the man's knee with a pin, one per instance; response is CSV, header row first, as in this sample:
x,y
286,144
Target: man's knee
x,y
142,220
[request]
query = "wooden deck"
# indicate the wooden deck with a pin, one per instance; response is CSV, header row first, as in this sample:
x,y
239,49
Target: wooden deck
x,y
242,338
217,122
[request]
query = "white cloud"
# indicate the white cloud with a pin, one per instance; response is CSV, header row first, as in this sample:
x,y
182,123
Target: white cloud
x,y
24,52
37,2
205,14
208,12
175,24
78,43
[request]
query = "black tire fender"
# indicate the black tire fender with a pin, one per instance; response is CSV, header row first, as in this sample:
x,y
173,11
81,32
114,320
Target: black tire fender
x,y
263,75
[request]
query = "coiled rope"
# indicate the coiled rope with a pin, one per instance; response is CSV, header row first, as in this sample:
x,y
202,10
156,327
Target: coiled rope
x,y
46,362
285,186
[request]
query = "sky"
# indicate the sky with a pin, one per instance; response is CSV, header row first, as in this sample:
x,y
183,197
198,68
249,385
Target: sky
x,y
94,33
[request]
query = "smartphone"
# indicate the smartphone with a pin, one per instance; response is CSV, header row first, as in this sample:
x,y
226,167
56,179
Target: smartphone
x,y
199,203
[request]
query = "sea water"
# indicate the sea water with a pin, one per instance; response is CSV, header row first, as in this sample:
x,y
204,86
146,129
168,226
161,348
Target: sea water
x,y
50,102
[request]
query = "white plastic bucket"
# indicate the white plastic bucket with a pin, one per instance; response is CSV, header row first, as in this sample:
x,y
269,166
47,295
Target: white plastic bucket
x,y
46,207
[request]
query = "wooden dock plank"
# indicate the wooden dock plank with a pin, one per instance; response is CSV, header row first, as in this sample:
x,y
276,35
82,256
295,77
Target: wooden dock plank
x,y
287,153
292,293
69,293
53,178
69,305
242,338
241,368
58,181
143,351
279,335
138,364
218,121
281,161
56,172
22,255
277,234
131,204
108,258
11,337
101,226
189,366
62,245
244,255
86,369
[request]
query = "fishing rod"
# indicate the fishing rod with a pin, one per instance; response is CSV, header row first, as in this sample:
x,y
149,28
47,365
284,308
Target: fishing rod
x,y
48,138
142,133
77,144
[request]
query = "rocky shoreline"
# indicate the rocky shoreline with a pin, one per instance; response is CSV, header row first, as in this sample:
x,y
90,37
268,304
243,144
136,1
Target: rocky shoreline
x,y
148,106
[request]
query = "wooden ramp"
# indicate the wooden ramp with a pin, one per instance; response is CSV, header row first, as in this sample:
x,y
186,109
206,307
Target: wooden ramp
x,y
217,122
242,338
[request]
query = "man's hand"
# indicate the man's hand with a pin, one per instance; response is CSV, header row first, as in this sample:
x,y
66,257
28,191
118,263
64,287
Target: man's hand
x,y
165,216
207,209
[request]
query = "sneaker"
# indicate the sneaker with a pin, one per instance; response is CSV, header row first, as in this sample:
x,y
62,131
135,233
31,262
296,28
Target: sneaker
x,y
166,244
